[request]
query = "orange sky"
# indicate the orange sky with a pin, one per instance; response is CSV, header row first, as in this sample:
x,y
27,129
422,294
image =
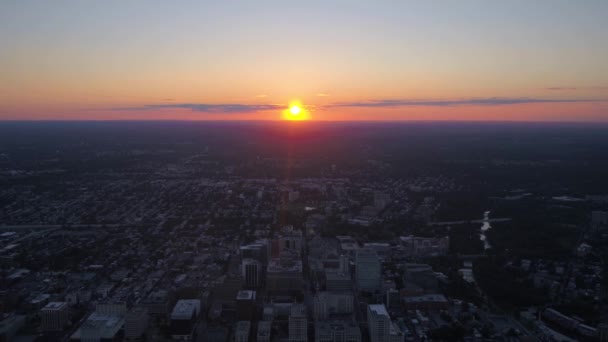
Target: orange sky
x,y
477,60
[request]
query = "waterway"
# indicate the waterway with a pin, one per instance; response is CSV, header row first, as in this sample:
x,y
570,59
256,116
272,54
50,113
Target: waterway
x,y
484,228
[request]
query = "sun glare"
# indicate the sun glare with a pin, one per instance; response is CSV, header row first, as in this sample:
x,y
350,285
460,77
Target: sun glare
x,y
295,112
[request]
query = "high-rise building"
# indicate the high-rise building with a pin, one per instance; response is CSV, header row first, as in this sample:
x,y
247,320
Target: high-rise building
x,y
245,305
298,324
338,282
368,270
259,250
337,331
393,299
264,329
54,316
103,324
602,332
284,275
251,269
136,323
183,318
241,331
328,304
158,304
381,328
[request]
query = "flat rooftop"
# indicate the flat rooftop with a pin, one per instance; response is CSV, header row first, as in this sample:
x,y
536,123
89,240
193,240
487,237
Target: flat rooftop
x,y
378,309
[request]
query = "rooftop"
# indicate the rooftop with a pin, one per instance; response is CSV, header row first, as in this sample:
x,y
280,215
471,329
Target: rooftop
x,y
186,308
245,295
378,309
54,306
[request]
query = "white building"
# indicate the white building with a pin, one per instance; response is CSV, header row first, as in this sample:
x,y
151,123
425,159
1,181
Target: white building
x,y
298,324
381,328
136,323
241,331
54,316
368,270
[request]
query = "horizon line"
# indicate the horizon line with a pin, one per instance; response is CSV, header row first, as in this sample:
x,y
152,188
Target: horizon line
x,y
304,122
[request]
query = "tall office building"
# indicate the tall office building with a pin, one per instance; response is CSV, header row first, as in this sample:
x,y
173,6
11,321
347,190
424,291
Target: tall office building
x,y
264,329
259,250
136,323
381,328
241,331
245,305
54,316
337,331
251,269
298,324
183,318
328,304
338,282
368,270
393,299
103,324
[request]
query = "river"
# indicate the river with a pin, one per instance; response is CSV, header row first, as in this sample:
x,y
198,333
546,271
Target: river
x,y
484,228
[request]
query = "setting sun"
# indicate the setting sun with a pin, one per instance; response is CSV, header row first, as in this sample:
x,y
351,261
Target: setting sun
x,y
295,112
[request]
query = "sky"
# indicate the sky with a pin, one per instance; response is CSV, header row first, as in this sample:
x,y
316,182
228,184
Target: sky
x,y
517,60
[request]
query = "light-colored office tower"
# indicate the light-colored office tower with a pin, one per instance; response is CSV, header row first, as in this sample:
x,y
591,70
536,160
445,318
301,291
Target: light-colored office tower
x,y
298,324
381,329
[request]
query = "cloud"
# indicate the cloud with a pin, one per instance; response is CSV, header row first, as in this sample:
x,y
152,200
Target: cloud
x,y
577,88
226,108
561,88
230,108
490,101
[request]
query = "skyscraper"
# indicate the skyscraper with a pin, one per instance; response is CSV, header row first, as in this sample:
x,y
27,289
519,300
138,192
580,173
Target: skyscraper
x,y
136,323
368,270
54,316
251,273
381,328
298,324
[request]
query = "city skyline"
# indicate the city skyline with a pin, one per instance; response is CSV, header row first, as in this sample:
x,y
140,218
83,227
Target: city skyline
x,y
473,60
